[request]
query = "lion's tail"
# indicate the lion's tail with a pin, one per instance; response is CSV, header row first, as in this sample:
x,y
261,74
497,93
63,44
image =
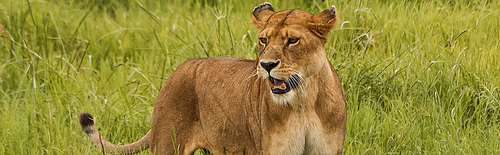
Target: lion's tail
x,y
88,127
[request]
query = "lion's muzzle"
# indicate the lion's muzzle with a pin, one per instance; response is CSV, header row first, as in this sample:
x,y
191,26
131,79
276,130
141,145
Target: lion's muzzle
x,y
283,86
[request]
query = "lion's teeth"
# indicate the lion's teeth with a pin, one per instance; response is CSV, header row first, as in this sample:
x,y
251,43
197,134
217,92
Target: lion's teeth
x,y
271,85
283,85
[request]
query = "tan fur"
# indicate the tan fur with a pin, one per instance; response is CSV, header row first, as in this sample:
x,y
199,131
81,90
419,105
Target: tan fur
x,y
226,105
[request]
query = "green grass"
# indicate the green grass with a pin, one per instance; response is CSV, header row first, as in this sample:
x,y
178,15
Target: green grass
x,y
420,77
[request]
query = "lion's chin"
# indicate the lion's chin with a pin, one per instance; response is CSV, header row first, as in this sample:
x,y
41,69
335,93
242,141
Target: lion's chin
x,y
284,98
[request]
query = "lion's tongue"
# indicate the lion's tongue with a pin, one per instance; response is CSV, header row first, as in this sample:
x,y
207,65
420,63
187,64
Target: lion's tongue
x,y
279,84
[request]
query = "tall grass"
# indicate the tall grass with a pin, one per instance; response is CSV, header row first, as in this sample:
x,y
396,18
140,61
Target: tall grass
x,y
420,77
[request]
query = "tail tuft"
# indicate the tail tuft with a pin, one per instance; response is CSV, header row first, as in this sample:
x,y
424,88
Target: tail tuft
x,y
87,123
86,120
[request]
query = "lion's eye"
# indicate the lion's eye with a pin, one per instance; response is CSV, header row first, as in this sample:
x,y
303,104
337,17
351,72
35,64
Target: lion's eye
x,y
263,40
292,41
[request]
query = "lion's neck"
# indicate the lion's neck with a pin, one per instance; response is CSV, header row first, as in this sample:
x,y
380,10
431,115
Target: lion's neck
x,y
306,95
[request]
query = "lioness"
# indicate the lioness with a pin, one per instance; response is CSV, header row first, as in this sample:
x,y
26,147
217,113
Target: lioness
x,y
288,101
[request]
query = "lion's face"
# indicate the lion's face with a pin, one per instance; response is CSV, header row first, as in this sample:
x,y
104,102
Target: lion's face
x,y
290,48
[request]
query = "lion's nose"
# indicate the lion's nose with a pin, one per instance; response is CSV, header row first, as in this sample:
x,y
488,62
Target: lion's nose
x,y
269,65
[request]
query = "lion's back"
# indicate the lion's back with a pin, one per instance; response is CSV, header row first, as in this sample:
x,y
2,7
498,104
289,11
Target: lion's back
x,y
200,90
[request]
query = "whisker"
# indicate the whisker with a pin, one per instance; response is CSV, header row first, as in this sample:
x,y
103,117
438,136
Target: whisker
x,y
299,79
292,82
249,76
254,73
296,81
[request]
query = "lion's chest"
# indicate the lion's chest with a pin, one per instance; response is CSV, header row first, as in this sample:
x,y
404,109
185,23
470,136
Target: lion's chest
x,y
302,133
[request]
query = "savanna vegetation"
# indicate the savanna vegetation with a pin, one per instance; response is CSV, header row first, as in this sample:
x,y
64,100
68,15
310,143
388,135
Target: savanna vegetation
x,y
420,77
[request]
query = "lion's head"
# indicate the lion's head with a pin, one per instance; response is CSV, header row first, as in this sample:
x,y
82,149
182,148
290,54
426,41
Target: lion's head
x,y
290,48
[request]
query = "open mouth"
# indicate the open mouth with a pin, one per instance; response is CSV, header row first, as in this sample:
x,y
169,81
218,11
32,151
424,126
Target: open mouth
x,y
282,86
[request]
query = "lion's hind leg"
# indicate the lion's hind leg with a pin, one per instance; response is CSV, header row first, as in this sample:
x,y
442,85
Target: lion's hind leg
x,y
196,141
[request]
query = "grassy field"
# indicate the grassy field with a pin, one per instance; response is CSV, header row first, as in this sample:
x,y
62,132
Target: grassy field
x,y
420,77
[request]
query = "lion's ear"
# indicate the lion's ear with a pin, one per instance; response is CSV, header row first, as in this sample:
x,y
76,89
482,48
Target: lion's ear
x,y
323,22
261,14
